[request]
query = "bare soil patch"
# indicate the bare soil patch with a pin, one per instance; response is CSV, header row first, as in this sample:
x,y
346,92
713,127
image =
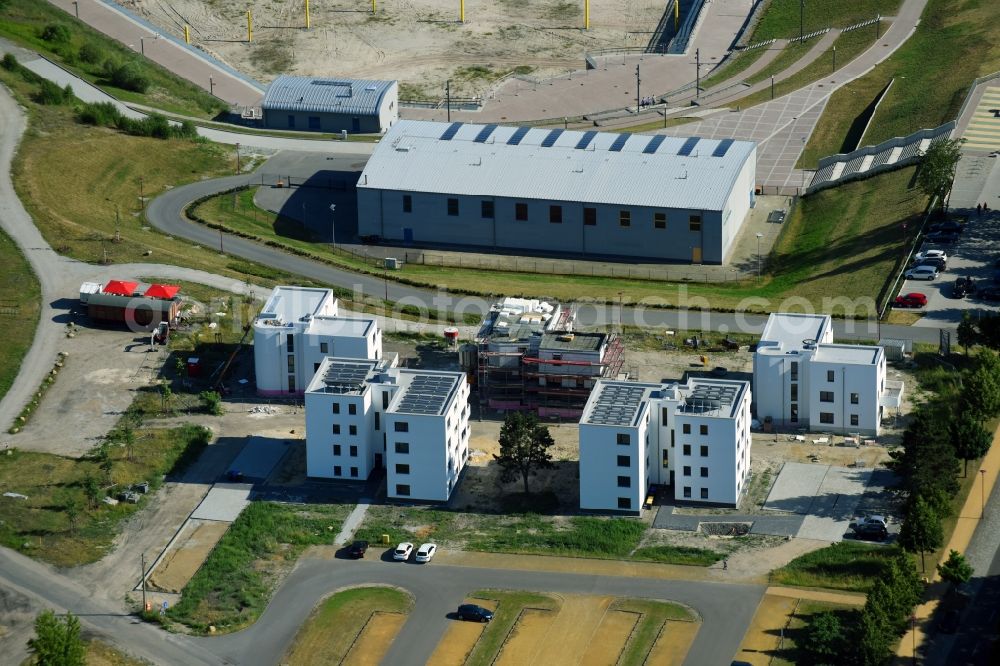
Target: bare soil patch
x,y
609,638
375,639
460,638
673,644
522,645
197,540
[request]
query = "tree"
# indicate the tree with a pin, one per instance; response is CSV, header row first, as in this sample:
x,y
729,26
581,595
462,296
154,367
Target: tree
x,y
92,490
104,461
970,439
126,434
921,530
166,396
57,640
981,387
955,570
824,639
988,328
968,336
874,640
926,462
211,402
937,169
524,447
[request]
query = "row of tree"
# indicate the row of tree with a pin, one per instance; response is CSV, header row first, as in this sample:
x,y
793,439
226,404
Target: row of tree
x,y
983,330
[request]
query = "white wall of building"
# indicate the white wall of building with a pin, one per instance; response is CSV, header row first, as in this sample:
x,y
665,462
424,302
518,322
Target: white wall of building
x,y
609,457
850,402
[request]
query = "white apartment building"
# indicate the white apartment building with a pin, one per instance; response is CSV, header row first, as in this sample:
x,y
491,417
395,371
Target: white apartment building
x,y
693,437
802,379
363,414
299,327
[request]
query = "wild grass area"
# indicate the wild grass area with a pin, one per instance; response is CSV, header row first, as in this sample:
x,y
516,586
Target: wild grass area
x,y
790,651
509,607
649,626
62,521
234,585
327,636
698,557
781,18
102,654
842,242
20,303
956,41
849,45
846,565
84,51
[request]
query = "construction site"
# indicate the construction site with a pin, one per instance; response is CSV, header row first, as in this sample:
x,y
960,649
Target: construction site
x,y
528,356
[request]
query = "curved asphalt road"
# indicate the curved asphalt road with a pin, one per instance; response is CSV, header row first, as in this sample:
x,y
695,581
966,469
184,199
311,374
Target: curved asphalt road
x,y
166,213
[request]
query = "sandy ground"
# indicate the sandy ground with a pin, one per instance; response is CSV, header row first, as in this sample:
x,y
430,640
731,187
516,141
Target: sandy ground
x,y
609,638
763,635
460,638
523,642
375,639
673,643
419,42
196,541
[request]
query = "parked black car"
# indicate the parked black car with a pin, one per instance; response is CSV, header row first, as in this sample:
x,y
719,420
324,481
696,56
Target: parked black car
x,y
949,226
474,613
358,549
871,532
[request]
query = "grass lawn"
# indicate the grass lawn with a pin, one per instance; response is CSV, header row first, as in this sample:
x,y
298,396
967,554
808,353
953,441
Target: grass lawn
x,y
956,41
789,55
23,21
647,630
57,524
847,565
20,301
328,634
738,61
839,243
781,18
234,585
849,45
509,607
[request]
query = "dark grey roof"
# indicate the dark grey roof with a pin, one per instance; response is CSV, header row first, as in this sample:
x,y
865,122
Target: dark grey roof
x,y
347,376
617,404
302,93
427,393
573,341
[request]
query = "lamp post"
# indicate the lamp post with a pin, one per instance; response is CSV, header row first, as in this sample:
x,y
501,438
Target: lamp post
x,y
76,8
620,330
772,86
333,226
447,98
142,45
982,494
637,98
211,85
759,236
802,5
835,58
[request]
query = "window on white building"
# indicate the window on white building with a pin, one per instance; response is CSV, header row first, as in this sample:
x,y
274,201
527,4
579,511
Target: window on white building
x,y
666,458
624,502
290,342
336,428
854,419
354,451
352,409
704,472
624,482
624,439
793,413
855,398
624,461
335,407
826,396
324,347
703,429
686,429
402,447
403,489
353,430
337,471
687,491
704,451
401,426
354,472
336,449
826,417
830,375
794,392
402,468
687,470
704,493
686,449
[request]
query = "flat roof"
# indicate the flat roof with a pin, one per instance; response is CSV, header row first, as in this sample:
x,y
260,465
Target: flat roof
x,y
616,403
851,354
790,330
712,397
555,165
424,392
517,319
325,95
290,304
345,376
358,327
590,342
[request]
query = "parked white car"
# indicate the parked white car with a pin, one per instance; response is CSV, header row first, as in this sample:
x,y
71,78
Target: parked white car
x,y
402,552
426,552
927,254
921,273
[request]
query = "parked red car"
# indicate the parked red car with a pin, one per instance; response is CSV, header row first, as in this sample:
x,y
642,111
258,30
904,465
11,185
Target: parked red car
x,y
913,300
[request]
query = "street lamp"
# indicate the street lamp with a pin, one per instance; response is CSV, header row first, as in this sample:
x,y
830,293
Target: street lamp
x,y
142,45
982,494
835,58
333,226
759,236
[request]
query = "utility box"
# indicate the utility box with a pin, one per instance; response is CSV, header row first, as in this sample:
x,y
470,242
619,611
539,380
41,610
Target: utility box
x,y
393,263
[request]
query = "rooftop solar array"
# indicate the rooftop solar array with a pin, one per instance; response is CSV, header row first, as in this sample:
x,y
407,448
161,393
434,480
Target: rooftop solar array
x,y
688,146
516,137
710,397
585,140
616,405
450,133
346,377
721,149
619,143
550,140
484,133
653,144
426,394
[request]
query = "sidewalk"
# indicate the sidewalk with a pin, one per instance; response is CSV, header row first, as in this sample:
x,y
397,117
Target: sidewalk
x,y
968,520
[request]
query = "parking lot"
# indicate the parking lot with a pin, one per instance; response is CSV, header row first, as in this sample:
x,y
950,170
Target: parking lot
x,y
972,255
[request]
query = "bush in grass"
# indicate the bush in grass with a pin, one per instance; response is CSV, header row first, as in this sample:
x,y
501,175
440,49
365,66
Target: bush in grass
x,y
211,402
51,94
825,640
126,76
56,33
91,53
102,114
9,62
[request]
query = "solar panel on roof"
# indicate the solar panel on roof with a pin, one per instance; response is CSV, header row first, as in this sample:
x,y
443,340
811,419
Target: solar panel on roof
x,y
688,146
585,140
653,144
484,133
451,131
619,143
721,149
426,394
549,140
517,136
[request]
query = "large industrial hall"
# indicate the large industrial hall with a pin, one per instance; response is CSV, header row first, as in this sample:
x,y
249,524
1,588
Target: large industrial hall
x,y
558,191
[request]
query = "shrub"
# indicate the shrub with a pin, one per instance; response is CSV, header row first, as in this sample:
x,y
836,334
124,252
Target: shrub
x,y
103,114
50,93
126,76
91,53
57,33
9,62
211,402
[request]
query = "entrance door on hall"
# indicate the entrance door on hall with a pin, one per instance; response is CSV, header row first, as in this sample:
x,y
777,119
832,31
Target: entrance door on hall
x,y
696,255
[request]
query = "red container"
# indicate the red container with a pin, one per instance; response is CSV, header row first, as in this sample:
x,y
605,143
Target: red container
x,y
194,367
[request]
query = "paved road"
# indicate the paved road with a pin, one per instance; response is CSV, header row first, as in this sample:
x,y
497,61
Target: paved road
x,y
725,608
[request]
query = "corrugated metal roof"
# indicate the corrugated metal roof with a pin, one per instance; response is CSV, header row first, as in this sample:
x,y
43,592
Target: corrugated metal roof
x,y
306,93
547,166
